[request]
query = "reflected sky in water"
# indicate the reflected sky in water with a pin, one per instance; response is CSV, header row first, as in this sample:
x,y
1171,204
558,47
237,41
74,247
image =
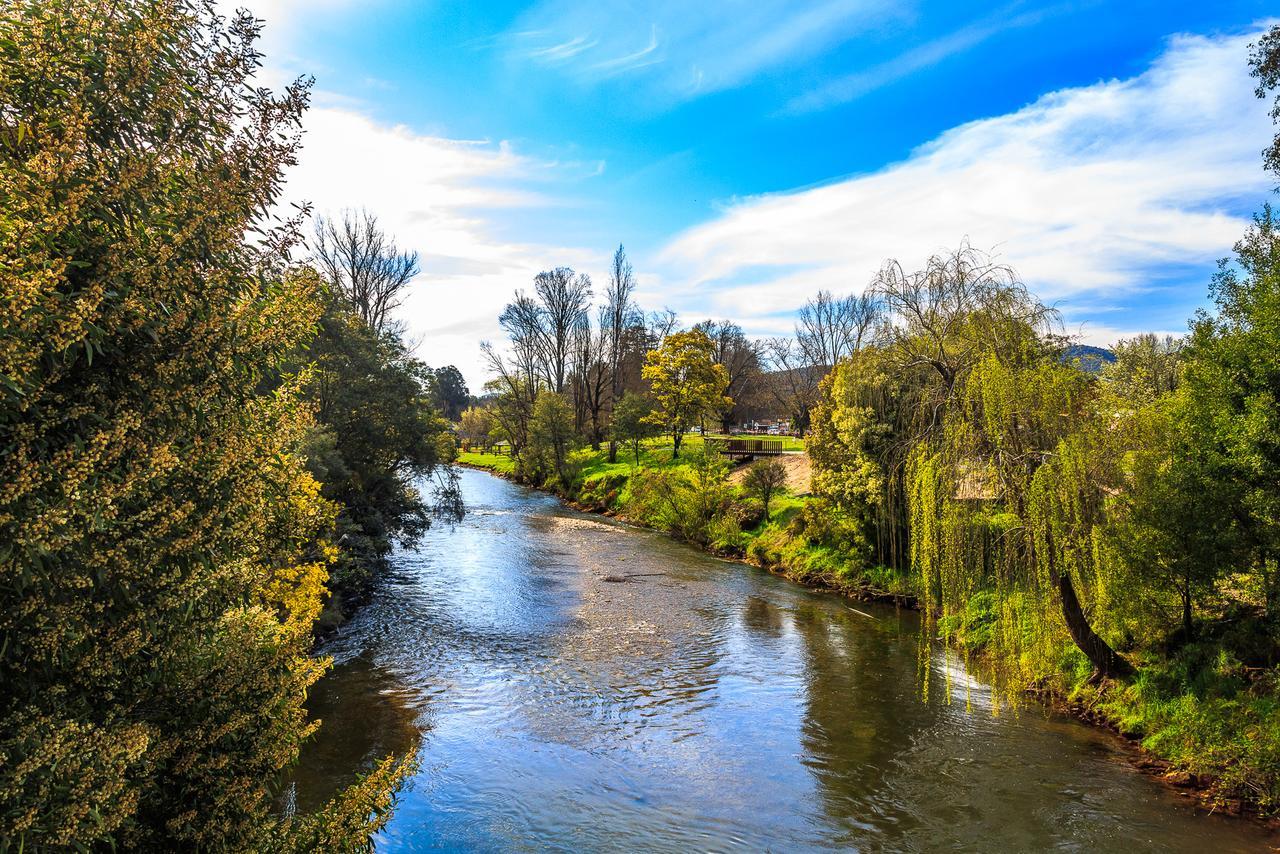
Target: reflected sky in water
x,y
710,706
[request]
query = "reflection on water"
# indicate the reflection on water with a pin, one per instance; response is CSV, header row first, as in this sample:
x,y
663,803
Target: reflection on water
x,y
364,717
702,705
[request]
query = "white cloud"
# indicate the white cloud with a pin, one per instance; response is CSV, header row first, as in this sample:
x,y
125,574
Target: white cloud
x,y
440,197
1088,192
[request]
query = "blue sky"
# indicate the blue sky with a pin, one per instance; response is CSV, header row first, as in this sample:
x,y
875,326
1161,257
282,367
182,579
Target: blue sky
x,y
750,153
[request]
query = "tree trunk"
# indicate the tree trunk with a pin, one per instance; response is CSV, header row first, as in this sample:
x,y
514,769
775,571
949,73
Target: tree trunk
x,y
676,439
613,450
1186,607
1106,661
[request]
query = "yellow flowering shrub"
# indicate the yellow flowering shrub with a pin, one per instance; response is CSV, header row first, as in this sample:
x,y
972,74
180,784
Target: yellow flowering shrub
x,y
162,554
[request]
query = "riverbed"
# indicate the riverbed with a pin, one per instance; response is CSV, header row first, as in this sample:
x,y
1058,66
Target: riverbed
x,y
576,684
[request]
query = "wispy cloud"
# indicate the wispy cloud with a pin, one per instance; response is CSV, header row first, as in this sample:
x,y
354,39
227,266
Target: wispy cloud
x,y
927,55
563,51
1093,193
689,49
646,55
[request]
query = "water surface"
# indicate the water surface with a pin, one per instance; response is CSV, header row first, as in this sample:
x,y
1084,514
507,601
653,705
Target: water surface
x,y
701,705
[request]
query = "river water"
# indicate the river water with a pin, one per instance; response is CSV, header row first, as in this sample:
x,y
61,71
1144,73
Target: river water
x,y
700,705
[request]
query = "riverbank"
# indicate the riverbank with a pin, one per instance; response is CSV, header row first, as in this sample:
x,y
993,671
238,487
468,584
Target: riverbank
x,y
1216,750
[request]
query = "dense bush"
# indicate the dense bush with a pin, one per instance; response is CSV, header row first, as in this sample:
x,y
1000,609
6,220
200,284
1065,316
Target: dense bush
x,y
163,547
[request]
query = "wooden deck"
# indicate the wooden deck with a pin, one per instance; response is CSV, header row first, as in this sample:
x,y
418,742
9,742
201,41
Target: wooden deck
x,y
747,448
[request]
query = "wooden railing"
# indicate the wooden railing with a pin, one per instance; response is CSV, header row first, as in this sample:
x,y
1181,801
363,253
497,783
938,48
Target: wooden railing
x,y
747,447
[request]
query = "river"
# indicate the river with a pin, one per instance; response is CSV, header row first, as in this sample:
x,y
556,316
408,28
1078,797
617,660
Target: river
x,y
700,705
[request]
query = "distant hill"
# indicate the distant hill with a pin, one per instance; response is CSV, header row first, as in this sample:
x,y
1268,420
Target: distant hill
x,y
1090,359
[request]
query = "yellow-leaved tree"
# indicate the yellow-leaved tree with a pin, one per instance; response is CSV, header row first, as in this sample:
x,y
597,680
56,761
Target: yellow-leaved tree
x,y
686,382
162,546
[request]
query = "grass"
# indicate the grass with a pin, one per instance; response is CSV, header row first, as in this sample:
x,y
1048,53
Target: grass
x,y
500,463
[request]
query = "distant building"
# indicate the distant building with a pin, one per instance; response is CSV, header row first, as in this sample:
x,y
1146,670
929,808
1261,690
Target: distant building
x,y
768,426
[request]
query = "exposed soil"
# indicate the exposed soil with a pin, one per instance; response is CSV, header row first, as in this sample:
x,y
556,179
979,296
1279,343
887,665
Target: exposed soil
x,y
799,473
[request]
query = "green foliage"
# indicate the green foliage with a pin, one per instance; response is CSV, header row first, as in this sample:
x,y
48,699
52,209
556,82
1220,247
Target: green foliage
x,y
693,501
551,438
162,544
378,436
1210,715
1264,60
1232,382
686,382
765,478
449,392
633,422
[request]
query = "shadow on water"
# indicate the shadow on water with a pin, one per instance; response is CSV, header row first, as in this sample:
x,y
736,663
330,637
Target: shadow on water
x,y
364,718
702,705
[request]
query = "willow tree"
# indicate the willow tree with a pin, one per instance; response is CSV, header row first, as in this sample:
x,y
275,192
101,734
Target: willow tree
x,y
1001,495
955,432
162,546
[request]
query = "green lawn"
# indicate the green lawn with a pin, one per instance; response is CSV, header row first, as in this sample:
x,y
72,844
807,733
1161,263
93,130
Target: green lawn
x,y
495,462
654,453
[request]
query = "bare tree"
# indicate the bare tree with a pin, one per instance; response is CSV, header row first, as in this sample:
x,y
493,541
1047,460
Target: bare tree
x,y
741,358
617,316
364,266
522,320
515,388
830,328
661,324
591,379
542,328
946,316
793,380
564,301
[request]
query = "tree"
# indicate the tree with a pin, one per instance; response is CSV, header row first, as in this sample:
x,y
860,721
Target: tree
x,y
380,436
449,391
794,380
1146,368
475,425
633,422
514,388
565,298
1231,379
948,315
551,437
966,400
687,384
764,479
618,317
163,548
829,329
543,328
741,359
590,379
1172,525
1264,61
364,265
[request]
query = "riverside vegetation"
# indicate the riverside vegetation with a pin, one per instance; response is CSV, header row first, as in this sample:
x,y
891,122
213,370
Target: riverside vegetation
x,y
213,435
209,443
